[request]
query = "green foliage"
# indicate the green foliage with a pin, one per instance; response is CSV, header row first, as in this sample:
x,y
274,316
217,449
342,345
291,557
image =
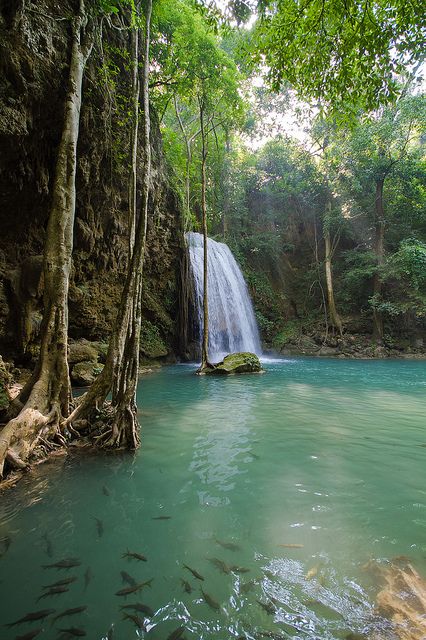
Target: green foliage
x,y
345,55
152,344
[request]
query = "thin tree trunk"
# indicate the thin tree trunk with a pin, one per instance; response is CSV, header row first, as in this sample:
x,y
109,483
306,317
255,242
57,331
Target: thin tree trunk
x,y
47,397
120,374
379,249
205,346
334,316
134,137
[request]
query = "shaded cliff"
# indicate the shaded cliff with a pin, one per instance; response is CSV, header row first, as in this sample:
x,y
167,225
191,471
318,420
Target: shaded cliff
x,y
34,58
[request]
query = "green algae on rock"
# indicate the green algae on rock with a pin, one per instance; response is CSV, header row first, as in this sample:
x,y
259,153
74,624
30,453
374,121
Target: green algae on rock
x,y
243,362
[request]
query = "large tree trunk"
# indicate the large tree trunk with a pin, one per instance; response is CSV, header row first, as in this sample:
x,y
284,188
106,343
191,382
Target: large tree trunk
x,y
379,250
205,341
46,398
334,316
120,374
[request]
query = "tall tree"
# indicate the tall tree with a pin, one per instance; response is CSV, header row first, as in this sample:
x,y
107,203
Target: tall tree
x,y
45,399
121,370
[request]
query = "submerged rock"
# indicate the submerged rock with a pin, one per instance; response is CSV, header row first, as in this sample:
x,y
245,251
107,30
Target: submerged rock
x,y
243,362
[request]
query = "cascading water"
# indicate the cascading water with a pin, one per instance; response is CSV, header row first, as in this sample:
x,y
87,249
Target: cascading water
x,y
232,323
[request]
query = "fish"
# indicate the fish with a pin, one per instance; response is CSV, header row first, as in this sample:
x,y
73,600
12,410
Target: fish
x,y
110,634
267,606
105,490
67,563
219,564
6,541
139,606
231,546
69,612
99,527
133,589
162,518
176,634
73,631
49,547
54,591
30,635
210,601
185,584
238,569
32,617
139,622
194,573
126,578
87,577
291,546
312,572
61,583
245,587
133,554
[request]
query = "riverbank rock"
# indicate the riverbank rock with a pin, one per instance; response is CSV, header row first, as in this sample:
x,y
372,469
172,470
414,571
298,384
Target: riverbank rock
x,y
5,381
234,363
84,373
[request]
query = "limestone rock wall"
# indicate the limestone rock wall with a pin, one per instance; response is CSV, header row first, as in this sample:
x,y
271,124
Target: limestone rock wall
x,y
34,57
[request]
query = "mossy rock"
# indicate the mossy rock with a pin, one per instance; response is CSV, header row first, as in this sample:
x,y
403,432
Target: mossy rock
x,y
5,381
243,362
84,373
152,344
82,351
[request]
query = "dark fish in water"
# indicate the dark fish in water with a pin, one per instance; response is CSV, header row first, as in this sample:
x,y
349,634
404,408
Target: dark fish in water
x,y
291,545
139,622
105,490
99,527
61,583
228,545
219,564
32,617
137,587
210,601
139,606
30,635
245,587
87,577
133,554
6,542
187,587
73,631
238,569
110,634
267,606
54,591
176,634
162,518
69,612
194,573
49,547
67,563
126,578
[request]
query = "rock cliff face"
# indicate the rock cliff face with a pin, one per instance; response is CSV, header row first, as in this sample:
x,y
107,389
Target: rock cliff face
x,y
34,57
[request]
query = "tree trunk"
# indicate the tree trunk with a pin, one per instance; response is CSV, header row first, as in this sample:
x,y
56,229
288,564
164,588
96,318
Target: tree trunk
x,y
205,346
379,249
120,374
47,397
334,316
134,137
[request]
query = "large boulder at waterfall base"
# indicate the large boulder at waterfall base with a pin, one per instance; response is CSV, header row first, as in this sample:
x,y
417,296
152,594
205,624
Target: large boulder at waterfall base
x,y
235,363
84,373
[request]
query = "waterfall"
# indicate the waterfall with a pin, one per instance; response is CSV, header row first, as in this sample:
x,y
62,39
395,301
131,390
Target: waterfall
x,y
232,323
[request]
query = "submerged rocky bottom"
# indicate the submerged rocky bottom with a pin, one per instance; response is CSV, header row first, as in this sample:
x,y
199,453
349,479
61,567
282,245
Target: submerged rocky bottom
x,y
251,510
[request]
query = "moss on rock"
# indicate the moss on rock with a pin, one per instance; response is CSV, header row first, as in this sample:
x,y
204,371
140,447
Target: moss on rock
x,y
243,362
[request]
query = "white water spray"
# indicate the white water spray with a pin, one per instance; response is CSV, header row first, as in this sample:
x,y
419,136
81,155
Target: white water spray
x,y
232,323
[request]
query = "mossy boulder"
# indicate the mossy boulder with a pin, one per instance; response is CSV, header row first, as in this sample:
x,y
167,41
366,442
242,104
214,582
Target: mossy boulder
x,y
243,362
152,344
84,373
82,351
